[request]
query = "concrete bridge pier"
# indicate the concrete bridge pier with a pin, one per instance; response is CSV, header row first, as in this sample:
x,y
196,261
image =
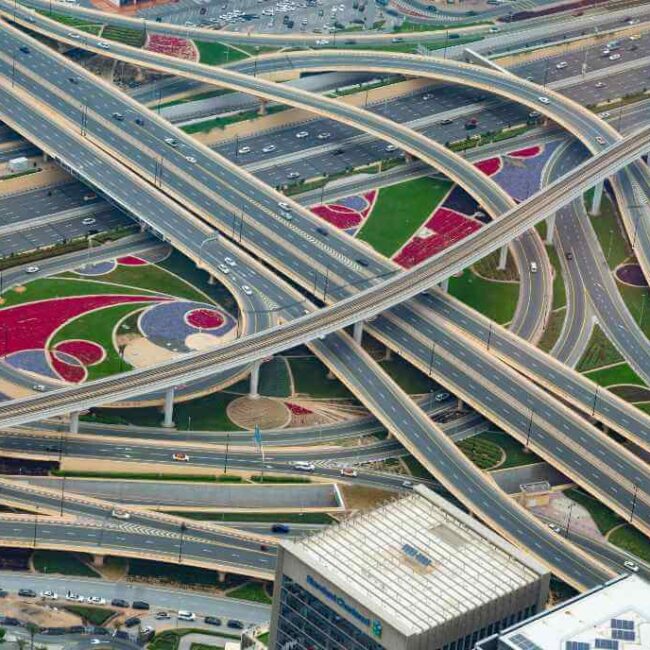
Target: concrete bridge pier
x,y
357,332
503,258
550,229
255,381
168,419
262,109
444,285
212,279
74,422
597,199
98,560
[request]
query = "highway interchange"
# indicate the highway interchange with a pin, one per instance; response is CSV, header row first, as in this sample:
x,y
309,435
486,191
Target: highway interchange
x,y
436,333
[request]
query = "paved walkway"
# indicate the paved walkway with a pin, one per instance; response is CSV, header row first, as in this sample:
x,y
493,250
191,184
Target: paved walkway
x,y
205,639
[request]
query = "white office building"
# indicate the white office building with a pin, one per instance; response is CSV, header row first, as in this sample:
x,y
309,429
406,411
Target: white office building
x,y
415,574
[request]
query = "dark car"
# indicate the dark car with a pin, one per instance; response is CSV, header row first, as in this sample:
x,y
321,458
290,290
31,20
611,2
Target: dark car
x,y
76,629
132,621
24,49
139,121
11,621
3,593
362,262
73,80
280,528
338,152
140,604
27,593
322,231
212,620
119,602
121,634
569,255
235,624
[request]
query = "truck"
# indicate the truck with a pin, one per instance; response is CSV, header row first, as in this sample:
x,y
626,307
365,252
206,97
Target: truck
x,y
17,165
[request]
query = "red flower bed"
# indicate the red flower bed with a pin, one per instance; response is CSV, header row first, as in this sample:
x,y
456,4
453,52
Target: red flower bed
x,y
296,409
204,318
448,227
528,152
489,166
67,371
86,352
171,46
131,260
338,215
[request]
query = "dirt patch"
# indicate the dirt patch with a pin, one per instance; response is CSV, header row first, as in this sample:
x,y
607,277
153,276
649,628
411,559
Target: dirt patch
x,y
632,393
264,412
40,612
362,498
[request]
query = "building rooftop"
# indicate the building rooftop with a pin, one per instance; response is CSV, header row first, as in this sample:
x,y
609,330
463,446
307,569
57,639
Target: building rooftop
x,y
418,561
613,617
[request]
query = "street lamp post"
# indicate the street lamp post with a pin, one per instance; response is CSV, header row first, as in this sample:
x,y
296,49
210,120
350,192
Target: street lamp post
x,y
225,458
636,489
530,427
180,548
62,495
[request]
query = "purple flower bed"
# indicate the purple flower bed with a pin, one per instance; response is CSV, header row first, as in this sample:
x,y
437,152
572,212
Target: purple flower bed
x,y
631,274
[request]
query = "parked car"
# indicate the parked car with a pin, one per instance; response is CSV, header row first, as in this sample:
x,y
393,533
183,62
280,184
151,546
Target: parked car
x,y
280,528
132,621
184,615
235,624
350,472
181,458
212,620
119,602
140,604
27,593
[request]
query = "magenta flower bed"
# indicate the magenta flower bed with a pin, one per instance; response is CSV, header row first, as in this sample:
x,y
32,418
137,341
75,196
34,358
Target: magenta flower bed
x,y
131,260
489,166
87,353
172,46
349,212
205,318
296,409
528,152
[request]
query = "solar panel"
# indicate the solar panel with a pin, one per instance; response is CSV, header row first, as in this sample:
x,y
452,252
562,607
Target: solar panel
x,y
622,624
623,635
524,642
576,645
607,644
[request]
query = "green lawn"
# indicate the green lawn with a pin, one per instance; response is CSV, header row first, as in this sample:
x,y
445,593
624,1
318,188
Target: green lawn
x,y
255,591
599,352
399,211
264,638
218,53
274,378
206,126
80,23
408,26
603,517
126,35
483,453
553,329
559,290
515,452
409,378
621,373
497,300
203,646
144,476
632,540
61,562
271,518
607,227
92,615
173,573
169,639
637,300
310,378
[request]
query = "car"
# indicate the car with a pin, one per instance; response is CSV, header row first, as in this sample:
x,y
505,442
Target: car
x,y
172,142
555,528
286,215
304,466
76,37
75,598
600,139
561,65
361,262
132,621
88,221
24,49
119,602
614,57
49,595
120,514
633,21
141,604
441,397
606,52
446,121
533,267
104,45
264,547
235,624
283,205
246,289
543,99
338,152
212,620
321,231
180,458
39,387
280,528
632,566
32,269
569,255
243,150
407,484
30,19
604,114
230,261
635,37
533,115
121,634
224,269
146,634
600,84
96,600
293,175
162,616
184,615
90,196
350,472
324,136
390,147
139,121
269,148
190,159
27,593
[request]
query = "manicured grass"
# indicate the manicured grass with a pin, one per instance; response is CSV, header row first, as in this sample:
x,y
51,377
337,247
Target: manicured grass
x,y
92,615
408,26
255,591
637,300
497,300
269,478
310,378
488,268
216,92
553,329
603,517
621,373
61,562
274,378
203,646
559,290
206,126
218,53
203,414
515,452
271,518
632,540
409,378
126,35
599,352
399,211
169,639
142,476
264,638
483,453
80,23
172,573
608,230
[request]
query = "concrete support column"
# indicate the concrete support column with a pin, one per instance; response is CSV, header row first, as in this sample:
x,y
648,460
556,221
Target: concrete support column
x,y
221,576
255,381
460,405
262,108
168,420
98,560
45,157
74,422
503,258
389,355
212,279
444,285
550,228
357,332
596,200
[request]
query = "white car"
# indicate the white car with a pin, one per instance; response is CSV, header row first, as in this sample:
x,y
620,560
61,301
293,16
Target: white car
x,y
269,148
390,147
96,600
120,514
632,566
246,289
614,57
287,215
38,387
32,269
162,616
88,221
302,134
104,45
407,484
230,261
184,615
224,269
190,159
544,100
243,150
304,466
283,205
604,115
555,528
324,136
561,65
75,36
441,397
635,37
293,175
75,598
49,595
600,84
600,139
171,142
350,472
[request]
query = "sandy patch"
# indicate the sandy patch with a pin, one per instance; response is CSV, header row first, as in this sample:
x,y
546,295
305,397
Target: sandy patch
x,y
203,341
35,612
265,412
141,353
